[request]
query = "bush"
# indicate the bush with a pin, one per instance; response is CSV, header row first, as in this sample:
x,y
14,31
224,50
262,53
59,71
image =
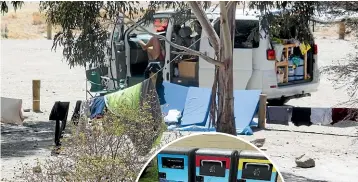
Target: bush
x,y
113,148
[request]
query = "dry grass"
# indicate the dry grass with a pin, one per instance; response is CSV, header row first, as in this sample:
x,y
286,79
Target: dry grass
x,y
38,18
330,31
25,23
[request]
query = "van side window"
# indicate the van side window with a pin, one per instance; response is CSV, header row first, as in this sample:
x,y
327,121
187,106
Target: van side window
x,y
246,33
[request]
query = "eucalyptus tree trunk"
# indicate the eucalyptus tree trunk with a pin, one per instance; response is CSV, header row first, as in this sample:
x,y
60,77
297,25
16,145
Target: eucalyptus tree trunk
x,y
225,116
221,112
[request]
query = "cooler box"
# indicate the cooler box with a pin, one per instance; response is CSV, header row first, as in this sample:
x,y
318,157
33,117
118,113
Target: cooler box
x,y
291,73
299,71
215,165
176,164
255,167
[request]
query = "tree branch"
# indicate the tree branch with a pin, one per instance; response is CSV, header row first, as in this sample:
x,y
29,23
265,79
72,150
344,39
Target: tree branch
x,y
189,51
207,27
209,59
230,3
226,30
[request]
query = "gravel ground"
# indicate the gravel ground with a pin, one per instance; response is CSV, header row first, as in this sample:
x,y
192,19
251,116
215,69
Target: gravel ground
x,y
335,149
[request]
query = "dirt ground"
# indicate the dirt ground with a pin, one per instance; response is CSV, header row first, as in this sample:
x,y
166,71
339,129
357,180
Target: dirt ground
x,y
335,149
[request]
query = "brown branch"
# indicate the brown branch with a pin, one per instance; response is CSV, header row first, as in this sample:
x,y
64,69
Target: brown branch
x,y
189,51
226,30
229,4
205,23
208,59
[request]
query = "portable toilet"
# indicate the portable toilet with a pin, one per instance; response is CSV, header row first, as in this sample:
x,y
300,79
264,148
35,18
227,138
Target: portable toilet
x,y
215,165
176,164
253,166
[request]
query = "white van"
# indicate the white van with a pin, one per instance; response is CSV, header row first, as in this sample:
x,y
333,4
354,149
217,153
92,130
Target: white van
x,y
255,65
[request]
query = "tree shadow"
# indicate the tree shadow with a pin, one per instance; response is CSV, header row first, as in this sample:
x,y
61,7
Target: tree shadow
x,y
294,178
21,141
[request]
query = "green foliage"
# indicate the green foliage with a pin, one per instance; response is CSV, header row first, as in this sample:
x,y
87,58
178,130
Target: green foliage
x,y
113,148
88,44
292,13
151,173
15,4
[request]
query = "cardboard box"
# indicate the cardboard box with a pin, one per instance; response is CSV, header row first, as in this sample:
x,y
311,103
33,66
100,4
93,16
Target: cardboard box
x,y
187,69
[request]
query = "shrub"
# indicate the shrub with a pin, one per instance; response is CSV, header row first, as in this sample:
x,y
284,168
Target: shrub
x,y
113,148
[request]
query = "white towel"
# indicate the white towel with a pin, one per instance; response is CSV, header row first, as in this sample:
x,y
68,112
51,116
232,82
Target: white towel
x,y
321,116
173,116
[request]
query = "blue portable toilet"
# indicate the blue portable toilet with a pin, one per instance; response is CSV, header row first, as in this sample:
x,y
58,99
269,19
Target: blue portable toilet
x,y
176,164
215,165
253,166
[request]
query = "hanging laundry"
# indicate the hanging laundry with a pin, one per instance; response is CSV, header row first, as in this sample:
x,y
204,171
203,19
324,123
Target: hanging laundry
x,y
278,115
76,113
97,107
304,48
59,111
59,114
321,116
340,114
301,116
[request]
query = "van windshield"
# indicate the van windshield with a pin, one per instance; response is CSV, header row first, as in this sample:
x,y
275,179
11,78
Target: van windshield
x,y
246,33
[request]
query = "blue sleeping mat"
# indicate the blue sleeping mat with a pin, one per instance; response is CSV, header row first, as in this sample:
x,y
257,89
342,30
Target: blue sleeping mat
x,y
246,104
196,107
172,96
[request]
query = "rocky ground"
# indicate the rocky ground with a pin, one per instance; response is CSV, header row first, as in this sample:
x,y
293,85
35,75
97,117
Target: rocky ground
x,y
335,149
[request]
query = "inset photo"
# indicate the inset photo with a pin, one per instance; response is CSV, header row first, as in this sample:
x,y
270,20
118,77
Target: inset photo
x,y
210,157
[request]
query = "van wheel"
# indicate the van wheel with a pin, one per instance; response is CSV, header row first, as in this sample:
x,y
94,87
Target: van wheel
x,y
278,102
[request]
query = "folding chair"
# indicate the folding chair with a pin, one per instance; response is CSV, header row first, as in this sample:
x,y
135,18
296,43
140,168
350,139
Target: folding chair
x,y
94,78
99,83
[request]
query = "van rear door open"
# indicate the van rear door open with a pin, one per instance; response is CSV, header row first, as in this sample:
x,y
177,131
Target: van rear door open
x,y
246,39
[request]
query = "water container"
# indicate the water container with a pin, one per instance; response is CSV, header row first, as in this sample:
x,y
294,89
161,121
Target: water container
x,y
299,71
291,73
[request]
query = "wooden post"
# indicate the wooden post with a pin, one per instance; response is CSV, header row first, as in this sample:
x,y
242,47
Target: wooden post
x,y
342,30
262,111
36,84
49,31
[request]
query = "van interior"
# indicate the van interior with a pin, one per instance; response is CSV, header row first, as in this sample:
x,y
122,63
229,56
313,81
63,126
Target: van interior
x,y
184,69
294,60
138,56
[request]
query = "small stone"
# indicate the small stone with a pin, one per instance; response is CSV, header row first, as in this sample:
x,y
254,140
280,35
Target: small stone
x,y
27,110
305,161
263,149
287,142
259,142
